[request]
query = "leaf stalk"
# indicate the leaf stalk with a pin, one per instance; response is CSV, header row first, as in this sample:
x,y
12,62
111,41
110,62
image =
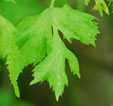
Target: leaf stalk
x,y
52,3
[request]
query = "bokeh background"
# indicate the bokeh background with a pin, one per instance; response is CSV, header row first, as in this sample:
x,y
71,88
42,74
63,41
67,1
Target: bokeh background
x,y
95,88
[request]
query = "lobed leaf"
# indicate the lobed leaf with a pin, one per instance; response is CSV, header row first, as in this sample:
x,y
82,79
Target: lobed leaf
x,y
35,34
52,68
101,5
36,41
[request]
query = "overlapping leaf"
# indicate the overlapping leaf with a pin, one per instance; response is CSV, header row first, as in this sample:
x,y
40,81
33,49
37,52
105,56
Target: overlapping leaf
x,y
9,49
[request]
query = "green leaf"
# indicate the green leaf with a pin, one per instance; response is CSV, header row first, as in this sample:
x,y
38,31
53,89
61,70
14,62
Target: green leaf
x,y
33,36
9,49
101,6
75,25
47,49
52,68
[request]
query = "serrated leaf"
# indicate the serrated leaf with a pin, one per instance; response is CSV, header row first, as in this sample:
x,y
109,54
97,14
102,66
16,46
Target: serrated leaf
x,y
9,49
35,34
101,6
52,68
75,25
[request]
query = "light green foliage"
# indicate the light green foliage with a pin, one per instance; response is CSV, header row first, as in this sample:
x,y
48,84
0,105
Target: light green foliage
x,y
9,49
52,68
100,5
33,33
37,43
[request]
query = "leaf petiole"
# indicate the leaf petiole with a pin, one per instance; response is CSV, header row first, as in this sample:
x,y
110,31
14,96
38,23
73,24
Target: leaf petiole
x,y
52,3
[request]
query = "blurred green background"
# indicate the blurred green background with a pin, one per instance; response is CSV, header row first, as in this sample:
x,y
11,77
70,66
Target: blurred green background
x,y
95,88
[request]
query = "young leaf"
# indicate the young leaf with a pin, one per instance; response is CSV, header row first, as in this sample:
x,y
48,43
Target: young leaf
x,y
52,68
9,49
35,34
101,6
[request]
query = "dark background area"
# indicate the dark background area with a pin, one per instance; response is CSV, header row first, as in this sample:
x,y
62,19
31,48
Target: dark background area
x,y
95,88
